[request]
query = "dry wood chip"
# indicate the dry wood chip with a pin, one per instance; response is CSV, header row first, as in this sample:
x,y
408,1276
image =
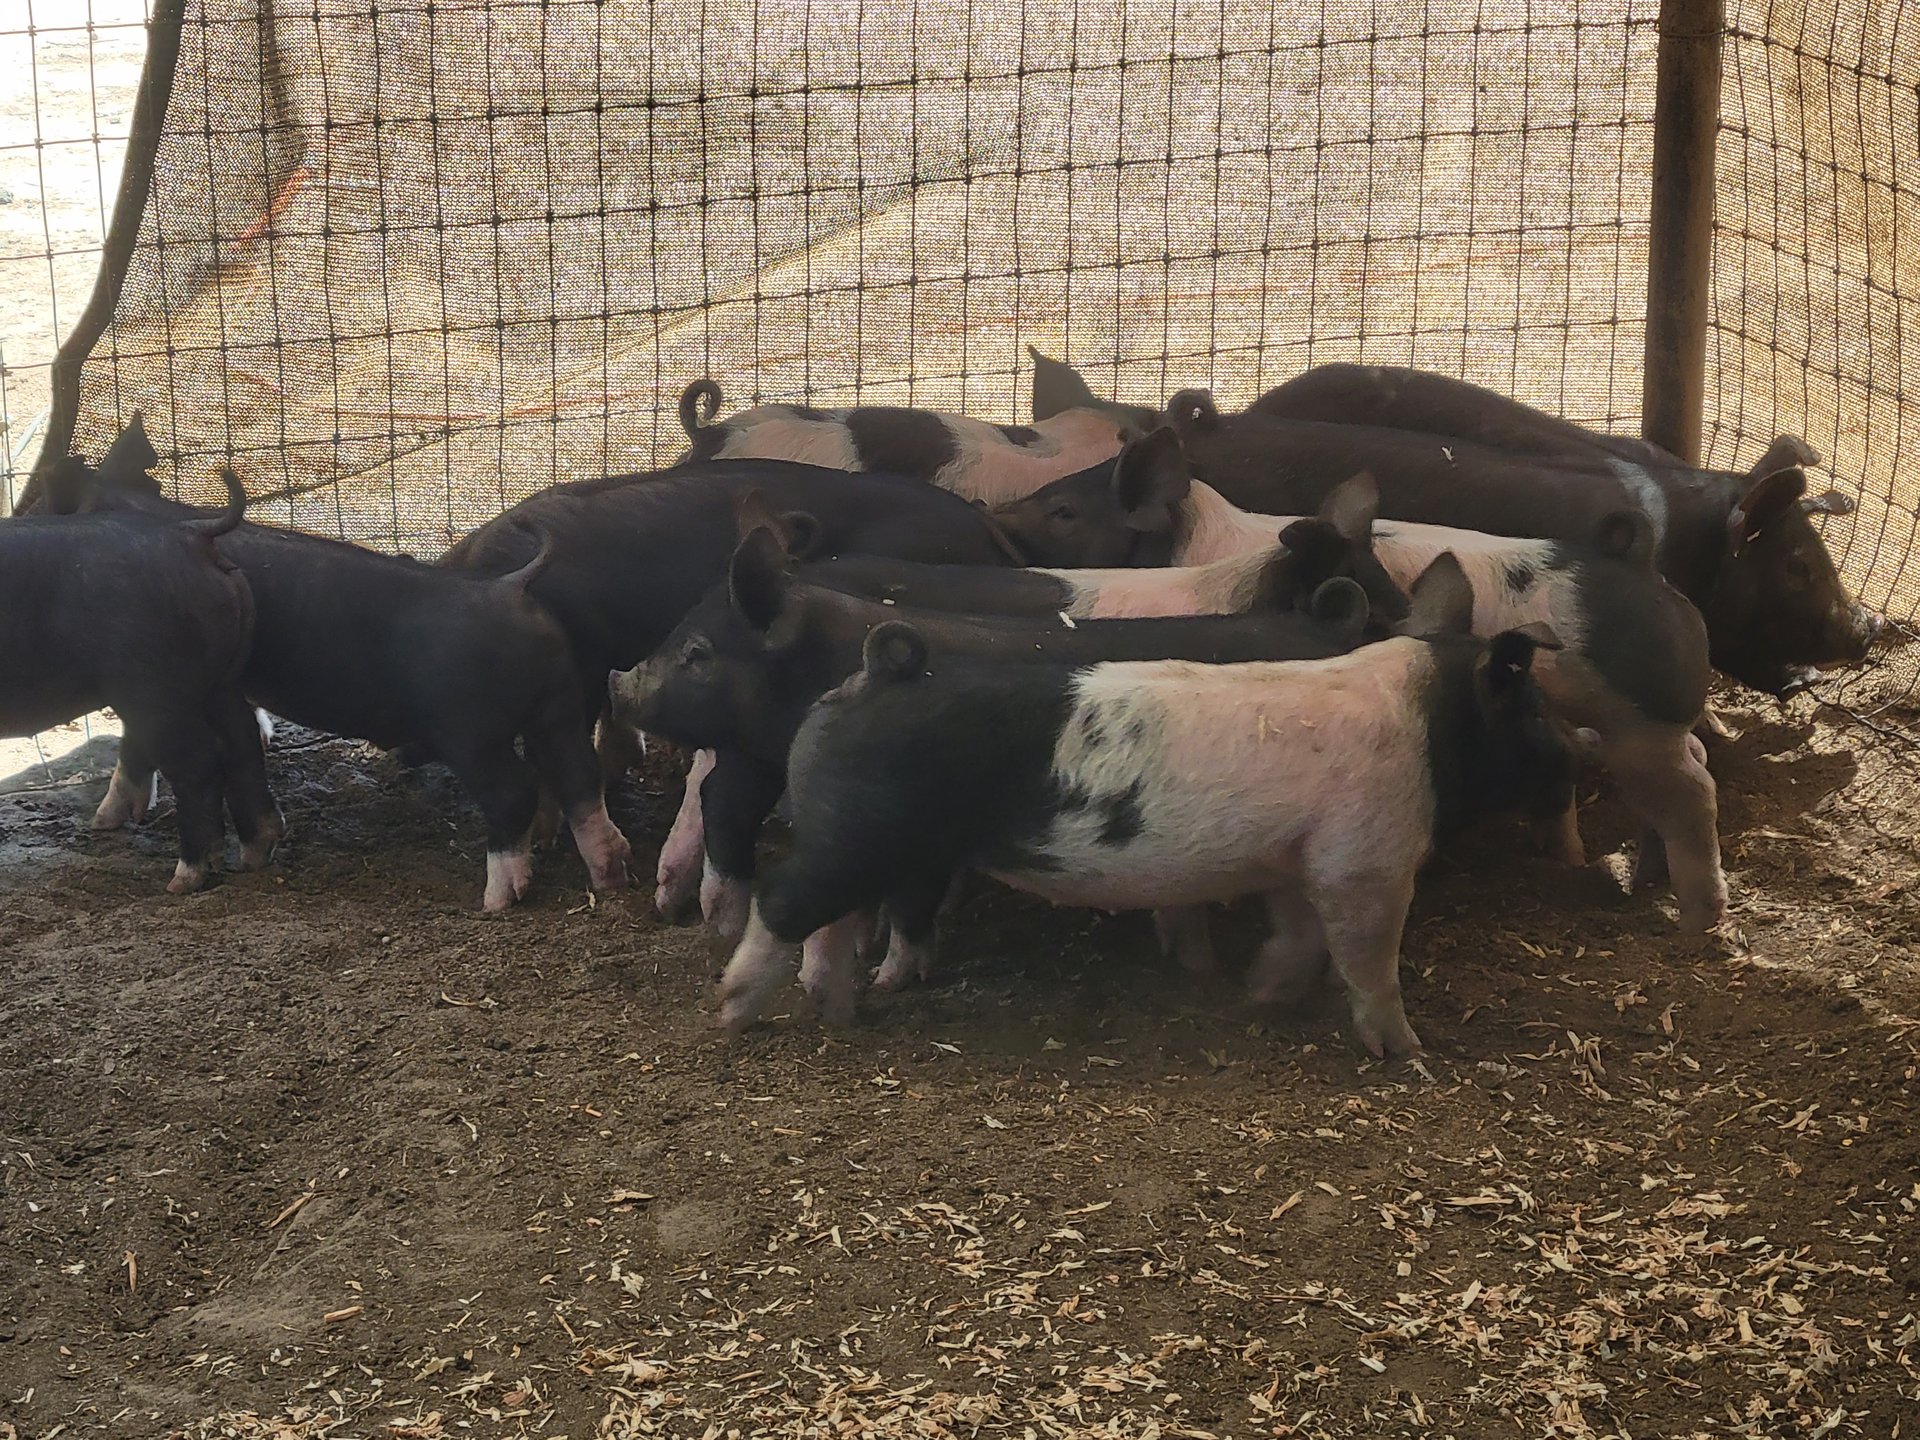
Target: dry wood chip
x,y
291,1209
334,1317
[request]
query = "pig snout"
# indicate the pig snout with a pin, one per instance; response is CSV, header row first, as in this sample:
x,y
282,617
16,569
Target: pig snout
x,y
1867,627
633,693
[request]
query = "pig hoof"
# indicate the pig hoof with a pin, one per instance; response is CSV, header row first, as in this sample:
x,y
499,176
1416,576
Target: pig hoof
x,y
1383,1029
1699,919
676,892
612,872
546,827
740,1010
676,905
1292,993
255,853
833,1004
509,876
187,879
121,805
895,973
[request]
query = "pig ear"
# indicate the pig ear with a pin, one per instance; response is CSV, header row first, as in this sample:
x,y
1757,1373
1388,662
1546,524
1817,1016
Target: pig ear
x,y
795,530
1057,386
1351,507
757,578
1770,498
1341,603
894,651
1441,600
798,532
1833,502
1317,550
1784,453
131,455
1191,411
751,512
1625,535
1150,478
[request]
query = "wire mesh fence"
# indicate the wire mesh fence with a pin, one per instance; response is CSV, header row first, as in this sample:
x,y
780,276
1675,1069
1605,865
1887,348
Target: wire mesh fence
x,y
1816,304
404,263
70,69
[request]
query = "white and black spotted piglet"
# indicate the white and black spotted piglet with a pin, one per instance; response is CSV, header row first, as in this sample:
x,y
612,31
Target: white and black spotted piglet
x,y
974,458
1154,785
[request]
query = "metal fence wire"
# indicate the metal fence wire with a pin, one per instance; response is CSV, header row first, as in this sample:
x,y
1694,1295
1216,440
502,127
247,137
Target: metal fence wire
x,y
403,263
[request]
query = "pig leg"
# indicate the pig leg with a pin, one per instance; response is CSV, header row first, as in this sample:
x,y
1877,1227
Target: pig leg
x,y
830,966
735,800
1363,915
507,789
912,913
130,791
1660,776
256,816
188,754
1293,958
677,875
879,939
761,964
546,819
819,883
1559,837
1186,935
565,761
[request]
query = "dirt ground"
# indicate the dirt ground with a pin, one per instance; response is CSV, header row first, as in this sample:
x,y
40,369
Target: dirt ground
x,y
325,1152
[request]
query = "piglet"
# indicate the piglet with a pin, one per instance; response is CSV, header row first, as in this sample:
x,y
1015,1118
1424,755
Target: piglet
x,y
142,614
741,670
1158,784
1636,665
972,458
464,668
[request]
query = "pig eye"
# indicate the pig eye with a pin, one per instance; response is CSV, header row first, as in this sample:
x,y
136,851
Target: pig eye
x,y
696,654
1799,575
1062,513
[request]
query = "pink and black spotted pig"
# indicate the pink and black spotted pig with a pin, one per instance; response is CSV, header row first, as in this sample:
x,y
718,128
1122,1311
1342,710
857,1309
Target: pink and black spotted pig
x,y
1321,785
1635,667
973,458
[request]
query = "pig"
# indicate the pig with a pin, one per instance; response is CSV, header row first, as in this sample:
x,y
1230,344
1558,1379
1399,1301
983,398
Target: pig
x,y
1058,387
1322,785
1401,398
144,615
632,554
740,671
972,458
1740,546
1635,669
1337,541
454,666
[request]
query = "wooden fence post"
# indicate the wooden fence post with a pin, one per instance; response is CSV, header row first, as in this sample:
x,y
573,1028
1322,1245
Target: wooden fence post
x,y
1686,119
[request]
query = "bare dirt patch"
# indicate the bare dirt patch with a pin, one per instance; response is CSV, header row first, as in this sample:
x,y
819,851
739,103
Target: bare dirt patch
x,y
324,1152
